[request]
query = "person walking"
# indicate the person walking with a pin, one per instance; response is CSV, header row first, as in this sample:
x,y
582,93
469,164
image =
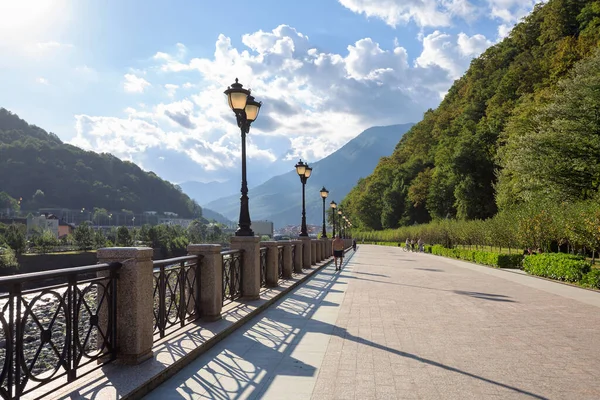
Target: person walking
x,y
338,252
354,244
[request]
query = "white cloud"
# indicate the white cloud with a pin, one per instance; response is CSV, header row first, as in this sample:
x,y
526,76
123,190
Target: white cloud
x,y
395,12
313,101
472,46
134,84
42,81
453,55
53,45
440,13
171,89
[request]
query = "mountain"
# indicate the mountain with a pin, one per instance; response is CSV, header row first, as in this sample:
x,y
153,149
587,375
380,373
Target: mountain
x,y
206,192
520,126
45,172
213,215
280,198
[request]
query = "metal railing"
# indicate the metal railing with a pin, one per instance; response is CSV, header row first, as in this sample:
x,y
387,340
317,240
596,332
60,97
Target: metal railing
x,y
232,274
176,292
280,261
263,267
58,332
294,257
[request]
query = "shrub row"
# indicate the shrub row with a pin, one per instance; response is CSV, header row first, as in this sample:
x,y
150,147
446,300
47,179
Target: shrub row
x,y
559,266
480,257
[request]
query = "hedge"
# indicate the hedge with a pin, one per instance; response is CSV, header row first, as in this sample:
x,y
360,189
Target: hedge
x,y
559,266
480,257
591,279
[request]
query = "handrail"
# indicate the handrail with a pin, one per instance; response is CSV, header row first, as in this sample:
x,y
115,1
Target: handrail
x,y
228,252
20,278
174,260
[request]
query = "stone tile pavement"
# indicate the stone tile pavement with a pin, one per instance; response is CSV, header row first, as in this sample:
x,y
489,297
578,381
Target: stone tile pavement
x,y
397,325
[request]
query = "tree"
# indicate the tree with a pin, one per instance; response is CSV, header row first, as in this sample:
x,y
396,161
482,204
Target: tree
x,y
44,241
84,236
100,215
7,203
557,156
8,258
15,238
100,239
124,238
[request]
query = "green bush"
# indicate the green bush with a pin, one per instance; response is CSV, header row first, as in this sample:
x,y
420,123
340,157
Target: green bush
x,y
480,257
427,248
510,260
559,266
8,258
591,279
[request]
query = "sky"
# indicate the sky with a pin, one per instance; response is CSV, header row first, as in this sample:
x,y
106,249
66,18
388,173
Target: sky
x,y
144,80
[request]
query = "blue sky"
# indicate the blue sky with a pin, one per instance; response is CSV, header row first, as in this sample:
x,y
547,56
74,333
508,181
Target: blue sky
x,y
144,79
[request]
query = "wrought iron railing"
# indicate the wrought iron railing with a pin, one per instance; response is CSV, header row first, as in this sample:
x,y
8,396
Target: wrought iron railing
x,y
176,293
263,267
232,274
294,257
58,332
280,261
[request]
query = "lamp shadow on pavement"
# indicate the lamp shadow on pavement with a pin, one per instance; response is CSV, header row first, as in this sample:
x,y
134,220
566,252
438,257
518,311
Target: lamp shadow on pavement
x,y
268,347
478,295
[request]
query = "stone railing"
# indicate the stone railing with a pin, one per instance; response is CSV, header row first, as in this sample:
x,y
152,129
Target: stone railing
x,y
152,299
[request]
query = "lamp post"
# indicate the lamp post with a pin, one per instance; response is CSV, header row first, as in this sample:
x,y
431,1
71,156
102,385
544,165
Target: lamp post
x,y
304,172
333,205
340,223
246,111
324,194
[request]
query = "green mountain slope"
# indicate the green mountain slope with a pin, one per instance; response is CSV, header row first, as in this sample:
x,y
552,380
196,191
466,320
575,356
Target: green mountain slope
x,y
280,198
449,164
33,160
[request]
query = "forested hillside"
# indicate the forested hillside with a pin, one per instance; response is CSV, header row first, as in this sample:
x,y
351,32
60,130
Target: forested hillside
x,y
522,125
45,172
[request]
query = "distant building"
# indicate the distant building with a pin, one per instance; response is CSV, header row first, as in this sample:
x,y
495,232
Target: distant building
x,y
65,228
170,214
175,221
43,222
261,228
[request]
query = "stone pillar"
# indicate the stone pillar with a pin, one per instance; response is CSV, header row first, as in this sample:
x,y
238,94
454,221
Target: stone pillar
x,y
287,260
211,279
326,248
306,252
318,250
321,249
298,260
135,325
313,252
250,264
272,274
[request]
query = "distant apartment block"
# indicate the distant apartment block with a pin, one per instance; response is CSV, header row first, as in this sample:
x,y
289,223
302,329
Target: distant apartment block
x,y
261,228
43,222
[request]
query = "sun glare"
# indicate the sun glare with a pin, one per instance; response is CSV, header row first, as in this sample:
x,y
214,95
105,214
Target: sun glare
x,y
30,18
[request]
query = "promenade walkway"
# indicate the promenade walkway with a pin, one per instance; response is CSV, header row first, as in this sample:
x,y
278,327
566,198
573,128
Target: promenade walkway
x,y
397,325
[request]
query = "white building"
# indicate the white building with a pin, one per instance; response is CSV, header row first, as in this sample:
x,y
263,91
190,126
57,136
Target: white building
x,y
261,228
43,222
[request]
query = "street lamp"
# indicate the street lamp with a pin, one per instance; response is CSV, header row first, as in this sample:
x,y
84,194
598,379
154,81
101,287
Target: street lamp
x,y
333,205
246,111
340,223
304,172
324,194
